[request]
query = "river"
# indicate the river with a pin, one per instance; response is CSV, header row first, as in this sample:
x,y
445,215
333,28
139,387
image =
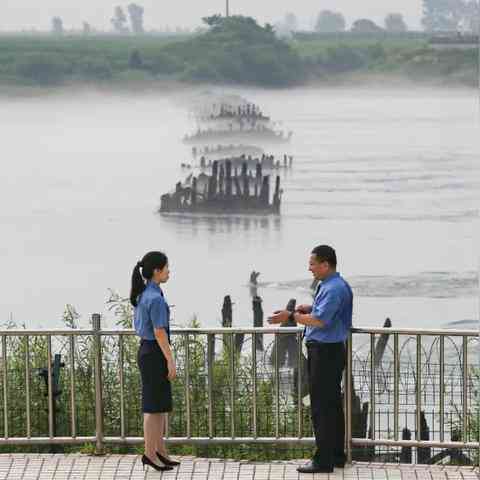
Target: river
x,y
389,177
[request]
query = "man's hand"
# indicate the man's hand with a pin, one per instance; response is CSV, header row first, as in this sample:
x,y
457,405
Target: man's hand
x,y
280,316
304,309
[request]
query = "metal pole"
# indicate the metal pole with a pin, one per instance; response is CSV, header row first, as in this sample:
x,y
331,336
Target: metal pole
x,y
349,391
210,360
73,417
299,385
277,390
27,386
372,385
96,325
442,388
5,386
187,385
227,9
396,386
122,385
51,420
254,383
418,388
465,390
232,386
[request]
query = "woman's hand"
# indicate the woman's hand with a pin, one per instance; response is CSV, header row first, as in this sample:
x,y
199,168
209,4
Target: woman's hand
x,y
172,369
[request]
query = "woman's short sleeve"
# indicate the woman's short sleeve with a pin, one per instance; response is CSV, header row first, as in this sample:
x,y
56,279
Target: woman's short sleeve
x,y
158,313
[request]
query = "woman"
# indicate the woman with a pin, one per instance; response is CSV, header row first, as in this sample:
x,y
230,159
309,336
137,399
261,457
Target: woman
x,y
155,359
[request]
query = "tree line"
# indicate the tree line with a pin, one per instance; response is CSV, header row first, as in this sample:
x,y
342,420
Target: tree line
x,y
438,16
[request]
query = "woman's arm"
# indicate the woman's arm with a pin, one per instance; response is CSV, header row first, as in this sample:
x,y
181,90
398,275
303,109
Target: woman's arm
x,y
162,340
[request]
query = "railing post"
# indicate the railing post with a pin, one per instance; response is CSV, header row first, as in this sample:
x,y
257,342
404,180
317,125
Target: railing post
x,y
348,394
97,360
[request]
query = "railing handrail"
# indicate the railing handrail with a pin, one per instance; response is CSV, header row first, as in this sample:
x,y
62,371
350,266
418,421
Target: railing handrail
x,y
246,330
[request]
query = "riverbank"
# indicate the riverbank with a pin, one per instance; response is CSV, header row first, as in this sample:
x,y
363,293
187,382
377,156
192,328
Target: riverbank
x,y
111,62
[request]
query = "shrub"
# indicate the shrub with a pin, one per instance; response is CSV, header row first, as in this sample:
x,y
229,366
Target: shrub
x,y
41,69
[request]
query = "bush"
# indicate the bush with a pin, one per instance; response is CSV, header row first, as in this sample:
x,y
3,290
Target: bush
x,y
41,69
343,59
164,63
95,68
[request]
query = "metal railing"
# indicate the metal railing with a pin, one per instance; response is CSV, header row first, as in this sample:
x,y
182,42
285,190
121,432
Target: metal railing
x,y
235,353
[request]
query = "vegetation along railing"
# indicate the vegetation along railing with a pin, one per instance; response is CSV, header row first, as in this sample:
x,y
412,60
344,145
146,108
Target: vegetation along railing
x,y
245,385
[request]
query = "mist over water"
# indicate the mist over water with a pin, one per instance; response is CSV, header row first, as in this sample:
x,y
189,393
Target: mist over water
x,y
388,177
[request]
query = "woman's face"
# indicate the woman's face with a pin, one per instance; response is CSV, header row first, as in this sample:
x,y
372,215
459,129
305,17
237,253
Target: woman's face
x,y
161,275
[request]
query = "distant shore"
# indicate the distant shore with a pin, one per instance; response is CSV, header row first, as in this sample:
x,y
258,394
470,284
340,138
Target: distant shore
x,y
33,65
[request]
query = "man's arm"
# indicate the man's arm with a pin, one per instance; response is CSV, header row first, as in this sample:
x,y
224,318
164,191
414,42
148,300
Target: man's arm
x,y
308,320
300,318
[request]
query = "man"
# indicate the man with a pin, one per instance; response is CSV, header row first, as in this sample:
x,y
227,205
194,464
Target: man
x,y
327,323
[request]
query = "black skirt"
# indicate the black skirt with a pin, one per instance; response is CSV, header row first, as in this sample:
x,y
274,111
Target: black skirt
x,y
156,388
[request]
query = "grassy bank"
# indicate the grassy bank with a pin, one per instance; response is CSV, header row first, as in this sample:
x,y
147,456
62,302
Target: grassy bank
x,y
232,51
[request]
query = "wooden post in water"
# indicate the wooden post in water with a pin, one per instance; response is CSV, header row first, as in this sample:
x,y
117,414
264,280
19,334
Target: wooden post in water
x,y
265,191
221,180
258,319
193,198
424,454
227,312
246,186
228,175
276,195
406,452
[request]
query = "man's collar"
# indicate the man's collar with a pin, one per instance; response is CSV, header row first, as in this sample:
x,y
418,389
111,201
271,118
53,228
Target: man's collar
x,y
330,277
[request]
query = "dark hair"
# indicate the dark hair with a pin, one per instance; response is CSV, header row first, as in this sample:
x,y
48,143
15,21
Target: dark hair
x,y
325,253
150,262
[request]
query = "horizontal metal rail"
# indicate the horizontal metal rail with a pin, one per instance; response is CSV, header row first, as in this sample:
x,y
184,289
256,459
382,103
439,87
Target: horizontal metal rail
x,y
248,331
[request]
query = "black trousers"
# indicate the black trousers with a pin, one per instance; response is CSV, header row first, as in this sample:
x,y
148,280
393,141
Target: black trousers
x,y
326,362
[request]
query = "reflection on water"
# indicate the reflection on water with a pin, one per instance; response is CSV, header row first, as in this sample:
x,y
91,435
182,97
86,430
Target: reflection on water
x,y
188,224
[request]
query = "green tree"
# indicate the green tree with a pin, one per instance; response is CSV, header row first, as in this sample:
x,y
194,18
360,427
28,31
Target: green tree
x,y
135,61
364,25
86,28
57,26
119,21
136,18
290,22
329,21
443,15
394,22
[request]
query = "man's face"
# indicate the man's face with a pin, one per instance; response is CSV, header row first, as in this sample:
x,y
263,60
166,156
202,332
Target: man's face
x,y
319,269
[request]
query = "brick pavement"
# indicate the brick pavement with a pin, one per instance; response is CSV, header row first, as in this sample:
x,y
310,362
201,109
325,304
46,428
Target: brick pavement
x,y
129,467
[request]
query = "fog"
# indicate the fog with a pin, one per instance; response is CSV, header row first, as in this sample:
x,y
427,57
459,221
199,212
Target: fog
x,y
25,14
389,177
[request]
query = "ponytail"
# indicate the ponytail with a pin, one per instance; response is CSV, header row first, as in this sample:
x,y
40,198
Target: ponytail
x,y
138,285
150,262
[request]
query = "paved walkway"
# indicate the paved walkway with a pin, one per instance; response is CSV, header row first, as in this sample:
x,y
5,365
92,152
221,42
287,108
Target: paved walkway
x,y
129,467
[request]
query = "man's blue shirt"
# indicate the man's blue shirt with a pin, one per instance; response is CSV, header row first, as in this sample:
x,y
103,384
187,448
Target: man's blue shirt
x,y
151,312
333,305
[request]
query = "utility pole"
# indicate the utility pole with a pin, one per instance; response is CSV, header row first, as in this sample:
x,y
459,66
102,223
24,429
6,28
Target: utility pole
x,y
227,8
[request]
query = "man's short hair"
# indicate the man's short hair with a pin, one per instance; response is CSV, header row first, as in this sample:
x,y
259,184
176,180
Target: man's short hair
x,y
325,253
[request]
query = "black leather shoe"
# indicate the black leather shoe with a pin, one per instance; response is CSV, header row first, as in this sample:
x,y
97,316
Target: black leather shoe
x,y
168,463
158,468
312,467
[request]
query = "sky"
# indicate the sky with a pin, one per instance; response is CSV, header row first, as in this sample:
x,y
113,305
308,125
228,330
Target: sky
x,y
27,14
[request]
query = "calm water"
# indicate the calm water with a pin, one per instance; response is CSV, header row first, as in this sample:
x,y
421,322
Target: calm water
x,y
390,178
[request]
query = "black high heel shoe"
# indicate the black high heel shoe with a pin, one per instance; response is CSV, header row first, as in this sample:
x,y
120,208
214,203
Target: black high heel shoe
x,y
158,468
169,463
